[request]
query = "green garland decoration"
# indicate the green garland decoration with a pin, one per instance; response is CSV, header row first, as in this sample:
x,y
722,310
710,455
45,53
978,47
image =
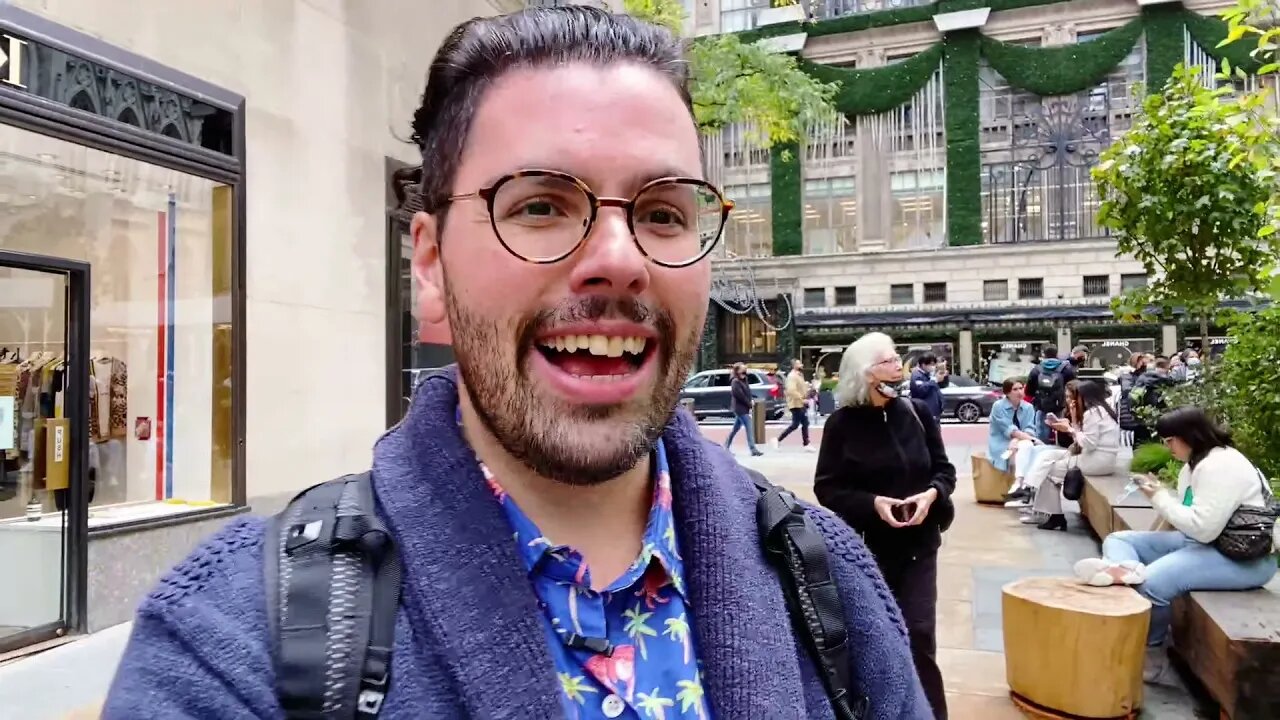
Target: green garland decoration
x,y
961,51
787,189
787,345
875,90
1062,70
1208,31
1165,44
709,345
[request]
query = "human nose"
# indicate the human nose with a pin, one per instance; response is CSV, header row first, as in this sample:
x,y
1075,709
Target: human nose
x,y
610,260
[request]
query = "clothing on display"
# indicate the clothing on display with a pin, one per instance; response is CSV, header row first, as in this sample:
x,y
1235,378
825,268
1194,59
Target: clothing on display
x,y
40,457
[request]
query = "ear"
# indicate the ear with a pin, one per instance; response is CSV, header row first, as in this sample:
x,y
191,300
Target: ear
x,y
428,268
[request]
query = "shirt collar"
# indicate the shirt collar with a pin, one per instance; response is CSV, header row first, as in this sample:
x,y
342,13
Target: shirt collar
x,y
660,543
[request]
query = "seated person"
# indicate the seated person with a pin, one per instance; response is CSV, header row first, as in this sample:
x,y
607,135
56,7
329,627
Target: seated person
x,y
1012,427
1216,480
1095,434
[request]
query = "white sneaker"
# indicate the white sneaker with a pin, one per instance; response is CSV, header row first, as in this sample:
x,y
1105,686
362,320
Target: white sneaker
x,y
810,449
773,444
1018,504
1100,572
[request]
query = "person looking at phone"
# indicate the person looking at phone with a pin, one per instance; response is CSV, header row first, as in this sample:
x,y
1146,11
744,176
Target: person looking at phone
x,y
1216,481
884,470
1095,443
927,381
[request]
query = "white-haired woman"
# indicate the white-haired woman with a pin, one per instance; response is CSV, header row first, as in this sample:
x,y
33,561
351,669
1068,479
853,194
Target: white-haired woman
x,y
884,470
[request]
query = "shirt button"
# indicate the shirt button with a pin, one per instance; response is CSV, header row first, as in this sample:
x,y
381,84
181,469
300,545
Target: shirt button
x,y
612,706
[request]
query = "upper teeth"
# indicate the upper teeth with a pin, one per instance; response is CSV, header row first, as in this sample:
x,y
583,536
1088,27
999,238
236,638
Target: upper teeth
x,y
611,346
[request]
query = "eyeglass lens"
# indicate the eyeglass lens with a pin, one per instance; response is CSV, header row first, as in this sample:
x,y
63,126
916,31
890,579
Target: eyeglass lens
x,y
543,218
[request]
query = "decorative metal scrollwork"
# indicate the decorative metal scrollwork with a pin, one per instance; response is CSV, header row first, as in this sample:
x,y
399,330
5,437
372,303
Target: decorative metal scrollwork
x,y
734,288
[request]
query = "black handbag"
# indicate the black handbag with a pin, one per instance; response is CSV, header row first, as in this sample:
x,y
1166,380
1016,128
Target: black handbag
x,y
1073,484
1248,534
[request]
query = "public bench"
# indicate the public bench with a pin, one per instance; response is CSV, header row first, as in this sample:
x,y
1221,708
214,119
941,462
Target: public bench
x,y
1099,504
1230,641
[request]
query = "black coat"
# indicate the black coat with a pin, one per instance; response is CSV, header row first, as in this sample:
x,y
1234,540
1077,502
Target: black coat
x,y
867,452
741,395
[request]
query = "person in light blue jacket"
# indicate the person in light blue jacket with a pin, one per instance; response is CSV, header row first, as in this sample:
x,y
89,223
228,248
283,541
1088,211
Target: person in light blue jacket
x,y
1012,420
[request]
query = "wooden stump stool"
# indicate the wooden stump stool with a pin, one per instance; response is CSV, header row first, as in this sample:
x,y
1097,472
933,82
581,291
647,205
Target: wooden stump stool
x,y
1075,650
989,484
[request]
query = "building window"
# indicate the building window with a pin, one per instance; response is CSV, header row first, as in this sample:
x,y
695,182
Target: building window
x,y
815,297
744,174
738,15
846,296
995,290
1097,285
912,140
904,294
918,202
830,189
1132,281
1030,288
935,292
830,9
1037,153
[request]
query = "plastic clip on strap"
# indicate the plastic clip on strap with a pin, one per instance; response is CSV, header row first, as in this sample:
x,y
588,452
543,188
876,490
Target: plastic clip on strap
x,y
798,552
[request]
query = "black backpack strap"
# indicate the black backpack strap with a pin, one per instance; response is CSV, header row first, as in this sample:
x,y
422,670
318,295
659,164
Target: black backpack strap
x,y
796,549
333,588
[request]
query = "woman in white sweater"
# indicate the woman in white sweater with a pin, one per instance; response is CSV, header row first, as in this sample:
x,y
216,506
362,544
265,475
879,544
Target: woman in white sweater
x,y
1216,480
1095,433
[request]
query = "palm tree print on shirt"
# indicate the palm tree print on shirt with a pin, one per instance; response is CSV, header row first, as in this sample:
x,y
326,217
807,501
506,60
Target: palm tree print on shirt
x,y
678,631
637,628
690,696
654,705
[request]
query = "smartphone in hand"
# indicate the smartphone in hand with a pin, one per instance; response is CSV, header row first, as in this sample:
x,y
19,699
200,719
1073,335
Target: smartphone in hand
x,y
904,512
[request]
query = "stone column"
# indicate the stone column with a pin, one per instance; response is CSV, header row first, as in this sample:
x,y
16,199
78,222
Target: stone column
x,y
966,352
1064,340
1169,339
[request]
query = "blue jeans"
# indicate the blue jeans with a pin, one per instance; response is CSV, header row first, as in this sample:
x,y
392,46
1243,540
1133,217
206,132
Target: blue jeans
x,y
741,422
1176,565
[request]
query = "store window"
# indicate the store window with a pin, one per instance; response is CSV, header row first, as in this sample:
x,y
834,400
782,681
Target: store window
x,y
1010,358
846,296
1113,353
748,335
1037,152
743,174
935,292
160,336
749,232
738,15
815,297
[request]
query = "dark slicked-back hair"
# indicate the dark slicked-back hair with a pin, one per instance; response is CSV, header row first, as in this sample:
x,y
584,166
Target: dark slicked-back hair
x,y
481,50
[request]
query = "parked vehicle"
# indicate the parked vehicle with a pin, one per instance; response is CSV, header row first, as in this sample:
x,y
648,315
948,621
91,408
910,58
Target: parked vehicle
x,y
709,391
968,400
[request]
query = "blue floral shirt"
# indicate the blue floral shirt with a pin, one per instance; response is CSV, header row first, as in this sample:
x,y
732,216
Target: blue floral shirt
x,y
650,670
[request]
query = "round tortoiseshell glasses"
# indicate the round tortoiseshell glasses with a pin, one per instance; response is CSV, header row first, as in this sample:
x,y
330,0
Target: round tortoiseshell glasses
x,y
544,216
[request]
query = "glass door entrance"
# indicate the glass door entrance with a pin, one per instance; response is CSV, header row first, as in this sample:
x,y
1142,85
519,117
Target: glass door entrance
x,y
43,414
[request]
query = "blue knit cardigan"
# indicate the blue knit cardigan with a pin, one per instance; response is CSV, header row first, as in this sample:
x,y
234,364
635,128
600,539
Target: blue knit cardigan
x,y
468,639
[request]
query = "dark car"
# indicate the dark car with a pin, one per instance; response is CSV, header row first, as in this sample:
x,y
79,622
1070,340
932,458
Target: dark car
x,y
968,400
709,391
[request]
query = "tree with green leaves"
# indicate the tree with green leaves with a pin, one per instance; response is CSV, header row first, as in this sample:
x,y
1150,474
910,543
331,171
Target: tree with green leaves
x,y
1177,200
744,83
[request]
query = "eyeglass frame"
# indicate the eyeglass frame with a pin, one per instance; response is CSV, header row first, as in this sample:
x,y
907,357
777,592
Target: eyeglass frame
x,y
489,193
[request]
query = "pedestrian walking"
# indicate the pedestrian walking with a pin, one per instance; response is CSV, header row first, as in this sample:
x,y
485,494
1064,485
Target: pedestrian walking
x,y
883,468
563,543
797,394
741,401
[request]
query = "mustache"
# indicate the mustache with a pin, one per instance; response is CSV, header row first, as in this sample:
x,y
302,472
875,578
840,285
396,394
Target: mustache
x,y
593,308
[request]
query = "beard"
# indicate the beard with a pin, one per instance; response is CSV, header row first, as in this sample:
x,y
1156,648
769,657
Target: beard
x,y
570,443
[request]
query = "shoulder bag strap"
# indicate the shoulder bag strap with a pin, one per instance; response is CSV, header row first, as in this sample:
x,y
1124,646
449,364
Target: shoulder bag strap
x,y
333,588
911,408
796,549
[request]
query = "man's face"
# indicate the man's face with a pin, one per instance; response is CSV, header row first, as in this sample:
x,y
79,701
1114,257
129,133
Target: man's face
x,y
586,415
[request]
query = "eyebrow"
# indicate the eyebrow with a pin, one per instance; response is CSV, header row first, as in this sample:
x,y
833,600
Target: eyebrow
x,y
634,181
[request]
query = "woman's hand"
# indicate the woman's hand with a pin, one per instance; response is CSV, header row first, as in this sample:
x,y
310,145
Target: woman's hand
x,y
1019,435
884,508
1061,426
1149,485
922,502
